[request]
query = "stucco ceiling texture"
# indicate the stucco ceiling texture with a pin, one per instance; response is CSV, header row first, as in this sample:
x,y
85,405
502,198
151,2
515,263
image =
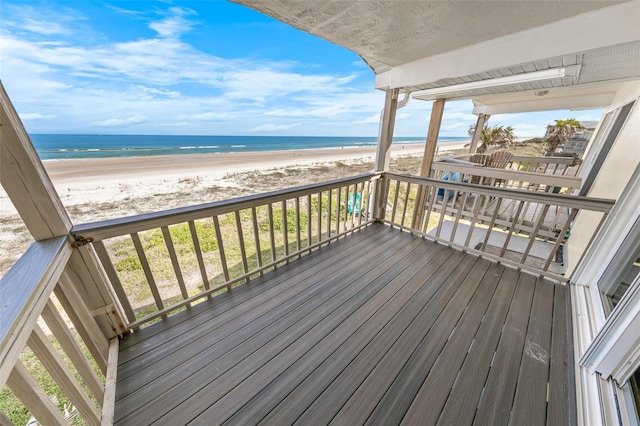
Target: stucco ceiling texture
x,y
388,33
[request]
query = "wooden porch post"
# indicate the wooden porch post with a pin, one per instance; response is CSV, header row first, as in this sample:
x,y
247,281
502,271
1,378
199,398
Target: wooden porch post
x,y
26,182
432,137
429,154
383,153
482,119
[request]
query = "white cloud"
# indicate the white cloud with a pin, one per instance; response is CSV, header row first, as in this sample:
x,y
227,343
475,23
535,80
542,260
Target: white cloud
x,y
162,81
209,116
593,116
528,130
273,127
113,122
330,111
369,120
174,25
36,116
41,21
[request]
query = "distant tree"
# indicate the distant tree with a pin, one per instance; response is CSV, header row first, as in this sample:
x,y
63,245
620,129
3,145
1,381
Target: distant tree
x,y
494,135
559,133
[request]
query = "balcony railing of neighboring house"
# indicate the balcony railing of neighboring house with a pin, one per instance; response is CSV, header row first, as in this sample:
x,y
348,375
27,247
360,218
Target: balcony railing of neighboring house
x,y
160,263
558,166
506,178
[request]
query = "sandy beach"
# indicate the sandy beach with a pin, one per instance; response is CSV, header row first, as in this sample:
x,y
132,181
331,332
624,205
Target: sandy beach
x,y
107,188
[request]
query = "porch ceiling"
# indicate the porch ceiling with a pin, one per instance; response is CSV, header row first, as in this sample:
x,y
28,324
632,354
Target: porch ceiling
x,y
417,45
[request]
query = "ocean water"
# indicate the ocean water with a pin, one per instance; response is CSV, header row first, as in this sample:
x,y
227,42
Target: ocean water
x,y
58,147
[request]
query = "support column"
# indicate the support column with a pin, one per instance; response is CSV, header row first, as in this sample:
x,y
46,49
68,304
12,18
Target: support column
x,y
26,182
383,151
482,119
429,154
387,123
432,137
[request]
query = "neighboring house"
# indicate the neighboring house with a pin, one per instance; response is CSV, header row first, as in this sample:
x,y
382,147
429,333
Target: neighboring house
x,y
577,143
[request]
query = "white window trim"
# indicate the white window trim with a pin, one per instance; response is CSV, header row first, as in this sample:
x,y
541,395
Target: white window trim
x,y
615,351
600,401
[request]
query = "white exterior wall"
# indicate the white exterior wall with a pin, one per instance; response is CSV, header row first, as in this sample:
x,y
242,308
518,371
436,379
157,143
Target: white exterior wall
x,y
612,179
600,401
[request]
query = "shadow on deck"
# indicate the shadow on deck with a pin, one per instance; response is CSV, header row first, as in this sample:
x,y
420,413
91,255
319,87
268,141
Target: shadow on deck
x,y
381,327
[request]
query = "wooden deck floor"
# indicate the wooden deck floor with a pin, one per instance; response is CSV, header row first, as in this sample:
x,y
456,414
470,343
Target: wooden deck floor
x,y
380,327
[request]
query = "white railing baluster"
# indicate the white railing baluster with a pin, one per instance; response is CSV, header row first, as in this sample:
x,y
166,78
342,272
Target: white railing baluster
x,y
395,202
101,251
512,228
70,346
196,247
406,203
33,397
285,228
243,251
147,270
50,359
297,208
319,217
256,236
272,242
338,205
220,245
534,233
168,241
329,203
461,207
309,220
560,238
76,309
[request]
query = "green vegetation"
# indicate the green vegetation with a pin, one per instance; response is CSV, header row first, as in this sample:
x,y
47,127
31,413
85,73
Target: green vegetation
x,y
241,256
560,132
493,135
11,406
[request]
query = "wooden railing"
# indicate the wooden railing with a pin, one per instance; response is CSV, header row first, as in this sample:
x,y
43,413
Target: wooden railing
x,y
524,229
506,178
161,262
558,166
36,292
230,241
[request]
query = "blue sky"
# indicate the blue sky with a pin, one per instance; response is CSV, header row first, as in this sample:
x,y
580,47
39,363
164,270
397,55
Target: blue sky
x,y
198,68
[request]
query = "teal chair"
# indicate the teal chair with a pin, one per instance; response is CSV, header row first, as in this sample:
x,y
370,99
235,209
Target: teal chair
x,y
353,205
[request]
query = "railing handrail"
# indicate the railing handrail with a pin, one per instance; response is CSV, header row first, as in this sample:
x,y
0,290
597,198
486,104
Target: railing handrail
x,y
572,201
101,230
533,159
508,174
542,160
24,290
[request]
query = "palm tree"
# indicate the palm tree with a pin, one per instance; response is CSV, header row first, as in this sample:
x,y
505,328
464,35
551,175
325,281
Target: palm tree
x,y
493,135
559,133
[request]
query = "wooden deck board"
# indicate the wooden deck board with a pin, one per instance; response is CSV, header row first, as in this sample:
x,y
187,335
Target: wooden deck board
x,y
300,390
530,405
378,327
184,377
559,378
260,311
503,377
327,394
